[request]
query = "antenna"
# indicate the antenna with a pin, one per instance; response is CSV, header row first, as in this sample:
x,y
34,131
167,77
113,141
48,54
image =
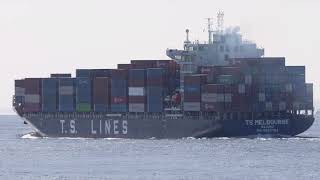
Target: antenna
x,y
209,30
220,22
187,37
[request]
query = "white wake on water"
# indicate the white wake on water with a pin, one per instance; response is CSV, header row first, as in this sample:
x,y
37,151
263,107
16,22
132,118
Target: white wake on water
x,y
29,136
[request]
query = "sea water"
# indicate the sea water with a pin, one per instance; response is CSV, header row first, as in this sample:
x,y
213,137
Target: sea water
x,y
23,156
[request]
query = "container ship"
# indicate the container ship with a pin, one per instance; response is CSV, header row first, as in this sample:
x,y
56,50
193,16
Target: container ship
x,y
224,87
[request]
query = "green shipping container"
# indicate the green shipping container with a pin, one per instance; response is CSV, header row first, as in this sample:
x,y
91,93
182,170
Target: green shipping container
x,y
227,79
83,107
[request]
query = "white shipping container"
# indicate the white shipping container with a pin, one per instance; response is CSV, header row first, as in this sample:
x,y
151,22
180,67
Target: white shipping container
x,y
262,97
66,90
209,97
227,97
136,91
18,91
191,106
32,98
241,88
135,107
248,79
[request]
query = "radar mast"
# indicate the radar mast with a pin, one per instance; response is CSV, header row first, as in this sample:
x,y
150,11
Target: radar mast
x,y
210,31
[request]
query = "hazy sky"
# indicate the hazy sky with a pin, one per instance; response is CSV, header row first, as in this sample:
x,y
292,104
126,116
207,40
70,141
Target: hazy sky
x,y
39,37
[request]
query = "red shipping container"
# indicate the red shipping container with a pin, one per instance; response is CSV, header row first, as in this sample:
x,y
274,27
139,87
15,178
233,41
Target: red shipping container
x,y
137,83
101,91
143,64
137,99
118,100
32,107
195,79
192,98
32,85
124,66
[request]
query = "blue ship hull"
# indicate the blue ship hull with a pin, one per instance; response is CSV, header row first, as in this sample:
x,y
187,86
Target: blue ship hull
x,y
94,125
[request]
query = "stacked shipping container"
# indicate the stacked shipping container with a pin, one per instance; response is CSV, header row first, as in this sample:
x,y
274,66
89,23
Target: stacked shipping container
x,y
32,95
93,73
192,91
137,84
83,94
66,95
60,75
155,90
251,84
212,97
119,91
101,94
171,74
19,91
49,94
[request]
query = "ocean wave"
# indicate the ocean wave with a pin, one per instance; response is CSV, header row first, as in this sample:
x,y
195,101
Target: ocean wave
x,y
30,136
304,138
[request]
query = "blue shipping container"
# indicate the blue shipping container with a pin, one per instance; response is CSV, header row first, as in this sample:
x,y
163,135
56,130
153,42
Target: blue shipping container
x,y
137,74
155,73
49,95
119,108
66,103
154,99
66,82
84,73
119,88
259,107
19,99
192,88
66,99
83,90
100,108
297,70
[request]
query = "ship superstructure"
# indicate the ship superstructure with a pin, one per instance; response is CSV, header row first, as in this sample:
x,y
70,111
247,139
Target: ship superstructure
x,y
222,45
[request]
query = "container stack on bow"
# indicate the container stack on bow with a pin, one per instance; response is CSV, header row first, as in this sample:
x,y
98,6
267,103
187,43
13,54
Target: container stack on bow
x,y
192,92
32,95
19,91
137,87
155,90
66,95
119,91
